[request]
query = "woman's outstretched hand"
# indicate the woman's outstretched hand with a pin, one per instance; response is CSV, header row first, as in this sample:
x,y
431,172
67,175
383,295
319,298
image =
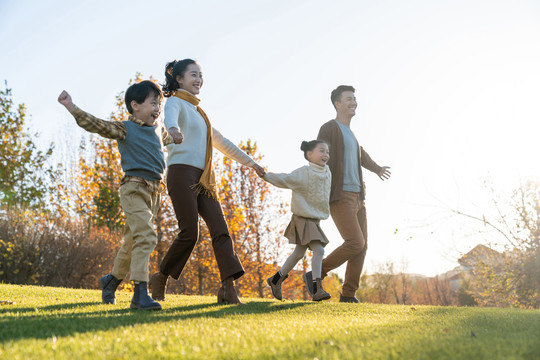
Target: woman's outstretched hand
x,y
259,170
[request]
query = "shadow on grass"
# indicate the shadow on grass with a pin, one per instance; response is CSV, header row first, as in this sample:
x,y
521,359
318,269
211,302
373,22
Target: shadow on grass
x,y
14,309
41,325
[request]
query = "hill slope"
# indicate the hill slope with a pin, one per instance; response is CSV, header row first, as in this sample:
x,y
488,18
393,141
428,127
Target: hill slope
x,y
44,322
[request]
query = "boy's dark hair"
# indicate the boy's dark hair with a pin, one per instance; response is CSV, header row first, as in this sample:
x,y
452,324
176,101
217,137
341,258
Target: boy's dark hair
x,y
336,93
140,91
173,69
309,146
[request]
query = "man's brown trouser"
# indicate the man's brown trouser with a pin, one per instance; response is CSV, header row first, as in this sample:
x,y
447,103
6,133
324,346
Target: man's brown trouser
x,y
349,215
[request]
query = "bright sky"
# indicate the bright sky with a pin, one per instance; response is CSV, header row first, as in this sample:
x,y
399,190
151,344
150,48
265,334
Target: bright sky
x,y
447,91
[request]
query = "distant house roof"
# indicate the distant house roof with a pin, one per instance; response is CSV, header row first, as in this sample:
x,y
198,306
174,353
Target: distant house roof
x,y
480,253
454,274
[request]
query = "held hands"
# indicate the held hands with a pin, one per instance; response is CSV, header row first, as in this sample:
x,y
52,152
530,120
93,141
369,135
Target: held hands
x,y
384,174
177,136
259,170
65,99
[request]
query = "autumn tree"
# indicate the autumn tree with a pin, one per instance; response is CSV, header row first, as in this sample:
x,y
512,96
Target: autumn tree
x,y
25,176
382,282
386,286
401,285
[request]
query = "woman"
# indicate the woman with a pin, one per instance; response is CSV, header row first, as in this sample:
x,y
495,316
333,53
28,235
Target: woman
x,y
191,181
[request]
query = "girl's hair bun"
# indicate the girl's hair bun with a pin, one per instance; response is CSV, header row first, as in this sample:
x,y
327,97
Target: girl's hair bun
x,y
309,146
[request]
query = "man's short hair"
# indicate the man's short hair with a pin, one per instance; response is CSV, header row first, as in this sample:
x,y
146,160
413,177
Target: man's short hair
x,y
336,93
140,91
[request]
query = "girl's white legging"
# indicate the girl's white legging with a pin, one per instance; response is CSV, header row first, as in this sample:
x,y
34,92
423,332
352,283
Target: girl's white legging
x,y
298,254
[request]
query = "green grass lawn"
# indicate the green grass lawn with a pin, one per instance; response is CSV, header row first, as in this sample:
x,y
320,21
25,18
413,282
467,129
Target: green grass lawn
x,y
44,322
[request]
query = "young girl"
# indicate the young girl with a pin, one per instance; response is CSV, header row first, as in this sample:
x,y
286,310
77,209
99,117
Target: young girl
x,y
310,187
191,181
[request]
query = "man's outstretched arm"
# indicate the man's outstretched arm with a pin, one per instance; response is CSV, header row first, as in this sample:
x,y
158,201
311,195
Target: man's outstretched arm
x,y
383,171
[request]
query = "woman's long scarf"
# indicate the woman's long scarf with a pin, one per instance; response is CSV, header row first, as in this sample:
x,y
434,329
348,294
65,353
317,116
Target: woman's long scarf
x,y
207,183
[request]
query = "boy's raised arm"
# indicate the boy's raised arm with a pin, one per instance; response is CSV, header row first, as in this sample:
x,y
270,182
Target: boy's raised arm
x,y
115,130
65,99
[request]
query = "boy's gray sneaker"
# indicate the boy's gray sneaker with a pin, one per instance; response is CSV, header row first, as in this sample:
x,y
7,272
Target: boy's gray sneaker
x,y
308,280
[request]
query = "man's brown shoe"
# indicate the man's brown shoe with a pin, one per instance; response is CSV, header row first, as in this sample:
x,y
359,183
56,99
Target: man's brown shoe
x,y
158,283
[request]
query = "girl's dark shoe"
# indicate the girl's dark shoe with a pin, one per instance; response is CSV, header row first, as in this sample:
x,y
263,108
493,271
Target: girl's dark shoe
x,y
319,294
227,293
141,300
108,285
158,284
308,280
275,284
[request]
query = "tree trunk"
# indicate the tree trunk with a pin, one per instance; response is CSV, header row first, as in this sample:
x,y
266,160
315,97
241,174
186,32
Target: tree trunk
x,y
429,293
201,280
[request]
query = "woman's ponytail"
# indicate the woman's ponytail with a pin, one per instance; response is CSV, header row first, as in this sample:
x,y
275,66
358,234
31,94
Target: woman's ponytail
x,y
172,70
171,85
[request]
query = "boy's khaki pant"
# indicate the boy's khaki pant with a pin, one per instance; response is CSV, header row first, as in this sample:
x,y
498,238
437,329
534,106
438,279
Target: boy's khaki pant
x,y
140,207
349,215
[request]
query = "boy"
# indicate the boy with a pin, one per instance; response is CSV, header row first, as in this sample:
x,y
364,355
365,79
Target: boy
x,y
140,144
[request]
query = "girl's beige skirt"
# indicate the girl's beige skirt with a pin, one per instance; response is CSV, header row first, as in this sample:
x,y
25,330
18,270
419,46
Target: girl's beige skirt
x,y
302,231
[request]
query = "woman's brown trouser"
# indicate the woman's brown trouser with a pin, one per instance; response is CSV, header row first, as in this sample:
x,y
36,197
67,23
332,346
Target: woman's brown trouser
x,y
187,207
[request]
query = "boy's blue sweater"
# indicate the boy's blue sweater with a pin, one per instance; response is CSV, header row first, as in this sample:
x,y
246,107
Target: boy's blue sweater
x,y
142,152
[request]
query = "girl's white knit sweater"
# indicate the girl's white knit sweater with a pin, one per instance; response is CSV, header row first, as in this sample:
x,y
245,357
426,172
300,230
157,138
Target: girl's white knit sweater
x,y
310,187
183,115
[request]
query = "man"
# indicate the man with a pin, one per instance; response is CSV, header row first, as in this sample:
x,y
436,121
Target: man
x,y
347,193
